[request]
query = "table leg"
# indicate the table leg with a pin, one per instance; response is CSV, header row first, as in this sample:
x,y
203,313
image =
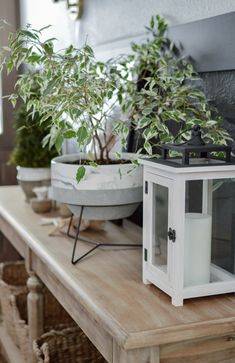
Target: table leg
x,y
141,355
35,311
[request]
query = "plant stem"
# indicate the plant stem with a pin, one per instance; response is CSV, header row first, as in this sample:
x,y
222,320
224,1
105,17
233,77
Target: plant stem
x,y
94,146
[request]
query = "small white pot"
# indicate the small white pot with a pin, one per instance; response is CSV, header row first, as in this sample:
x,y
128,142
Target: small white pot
x,y
33,174
30,178
107,192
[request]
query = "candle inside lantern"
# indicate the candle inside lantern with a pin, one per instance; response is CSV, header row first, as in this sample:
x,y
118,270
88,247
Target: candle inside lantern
x,y
197,256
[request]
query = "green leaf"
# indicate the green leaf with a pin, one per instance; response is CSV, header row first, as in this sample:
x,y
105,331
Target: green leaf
x,y
148,147
82,135
50,40
135,162
120,98
149,133
10,66
69,134
48,48
120,173
93,163
13,99
147,111
143,122
110,94
118,155
46,140
69,50
59,143
88,50
34,58
21,128
211,123
45,27
29,34
80,173
50,87
90,156
74,114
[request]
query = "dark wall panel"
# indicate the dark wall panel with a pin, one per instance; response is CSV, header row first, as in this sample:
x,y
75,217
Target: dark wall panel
x,y
210,42
220,89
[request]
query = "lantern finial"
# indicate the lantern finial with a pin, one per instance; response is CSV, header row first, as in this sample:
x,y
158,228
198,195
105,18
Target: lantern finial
x,y
196,136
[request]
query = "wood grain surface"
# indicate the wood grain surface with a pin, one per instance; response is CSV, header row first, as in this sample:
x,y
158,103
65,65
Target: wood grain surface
x,y
105,293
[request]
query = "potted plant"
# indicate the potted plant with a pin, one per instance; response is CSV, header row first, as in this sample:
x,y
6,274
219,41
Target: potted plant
x,y
161,94
156,89
32,160
78,94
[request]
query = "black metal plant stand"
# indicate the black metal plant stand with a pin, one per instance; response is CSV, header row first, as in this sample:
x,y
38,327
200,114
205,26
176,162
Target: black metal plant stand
x,y
95,244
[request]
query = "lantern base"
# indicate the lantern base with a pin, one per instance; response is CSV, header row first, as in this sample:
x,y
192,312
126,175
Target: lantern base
x,y
221,282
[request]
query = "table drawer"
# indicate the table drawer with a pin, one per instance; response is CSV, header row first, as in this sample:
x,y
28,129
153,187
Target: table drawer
x,y
212,350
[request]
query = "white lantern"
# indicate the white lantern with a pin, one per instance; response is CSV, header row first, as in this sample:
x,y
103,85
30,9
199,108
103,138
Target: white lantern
x,y
189,221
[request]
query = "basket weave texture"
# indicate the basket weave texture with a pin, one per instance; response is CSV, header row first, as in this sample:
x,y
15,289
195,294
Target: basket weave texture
x,y
69,345
54,317
13,278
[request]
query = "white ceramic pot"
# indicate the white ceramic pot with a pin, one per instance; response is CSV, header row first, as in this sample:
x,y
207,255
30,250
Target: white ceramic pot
x,y
33,174
29,178
107,192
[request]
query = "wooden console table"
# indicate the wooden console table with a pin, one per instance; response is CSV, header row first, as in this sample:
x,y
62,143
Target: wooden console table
x,y
127,321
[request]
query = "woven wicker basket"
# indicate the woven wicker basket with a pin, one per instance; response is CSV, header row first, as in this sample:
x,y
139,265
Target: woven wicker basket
x,y
13,278
55,317
69,345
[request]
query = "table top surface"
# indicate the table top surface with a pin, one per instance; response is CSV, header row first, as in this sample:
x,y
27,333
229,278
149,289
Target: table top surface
x,y
109,285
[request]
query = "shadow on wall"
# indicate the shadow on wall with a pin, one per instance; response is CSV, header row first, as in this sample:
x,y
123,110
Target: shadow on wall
x,y
209,43
219,87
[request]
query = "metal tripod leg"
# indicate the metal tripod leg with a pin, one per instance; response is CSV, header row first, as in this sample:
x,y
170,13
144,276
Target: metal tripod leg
x,y
95,243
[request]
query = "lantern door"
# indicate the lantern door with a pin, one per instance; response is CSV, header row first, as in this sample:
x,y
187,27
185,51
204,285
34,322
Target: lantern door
x,y
209,251
158,230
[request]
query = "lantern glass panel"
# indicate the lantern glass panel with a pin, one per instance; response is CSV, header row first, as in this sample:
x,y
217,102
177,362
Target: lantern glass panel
x,y
209,254
160,226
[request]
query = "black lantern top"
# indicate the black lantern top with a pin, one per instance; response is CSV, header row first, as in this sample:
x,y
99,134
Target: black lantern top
x,y
196,146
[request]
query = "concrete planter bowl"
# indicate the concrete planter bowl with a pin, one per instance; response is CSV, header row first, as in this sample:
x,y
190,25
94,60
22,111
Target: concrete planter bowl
x,y
107,192
29,178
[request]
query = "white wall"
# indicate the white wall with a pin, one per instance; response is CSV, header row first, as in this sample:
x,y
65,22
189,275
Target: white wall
x,y
110,25
40,13
107,19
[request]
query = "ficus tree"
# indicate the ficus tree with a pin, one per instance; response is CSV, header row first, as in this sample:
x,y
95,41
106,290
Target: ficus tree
x,y
161,94
77,92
